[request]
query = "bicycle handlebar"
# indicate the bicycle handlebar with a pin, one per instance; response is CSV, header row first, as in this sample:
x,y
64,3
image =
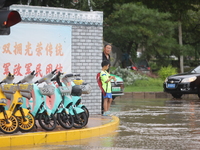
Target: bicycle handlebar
x,y
9,79
47,78
28,78
57,78
71,75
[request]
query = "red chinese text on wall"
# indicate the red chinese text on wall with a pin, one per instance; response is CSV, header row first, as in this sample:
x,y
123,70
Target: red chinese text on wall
x,y
40,50
29,68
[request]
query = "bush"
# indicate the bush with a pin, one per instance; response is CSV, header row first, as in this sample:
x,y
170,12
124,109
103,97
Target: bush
x,y
164,72
128,76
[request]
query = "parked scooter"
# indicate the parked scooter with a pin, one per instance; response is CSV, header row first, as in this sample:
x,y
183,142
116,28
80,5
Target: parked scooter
x,y
55,103
37,99
25,118
78,83
8,122
79,115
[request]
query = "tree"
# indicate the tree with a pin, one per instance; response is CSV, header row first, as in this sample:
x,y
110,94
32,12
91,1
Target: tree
x,y
133,26
178,9
85,5
191,28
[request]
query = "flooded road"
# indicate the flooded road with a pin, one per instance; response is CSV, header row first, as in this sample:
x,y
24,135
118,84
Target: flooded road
x,y
144,124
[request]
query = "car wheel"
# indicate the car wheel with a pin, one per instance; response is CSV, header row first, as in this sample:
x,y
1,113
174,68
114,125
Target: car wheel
x,y
177,95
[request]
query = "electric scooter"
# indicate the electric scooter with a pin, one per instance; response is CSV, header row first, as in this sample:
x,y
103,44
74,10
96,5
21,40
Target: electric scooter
x,y
8,122
79,115
55,103
11,91
78,83
35,99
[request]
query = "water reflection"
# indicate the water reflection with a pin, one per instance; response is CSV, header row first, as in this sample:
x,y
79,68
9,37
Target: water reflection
x,y
160,124
144,124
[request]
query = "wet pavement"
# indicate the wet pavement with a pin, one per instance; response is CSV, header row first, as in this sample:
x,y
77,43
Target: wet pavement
x,y
168,124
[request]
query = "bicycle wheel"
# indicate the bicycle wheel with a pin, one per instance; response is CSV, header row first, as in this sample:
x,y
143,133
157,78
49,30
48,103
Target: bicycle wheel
x,y
27,125
65,120
80,120
47,122
11,127
86,111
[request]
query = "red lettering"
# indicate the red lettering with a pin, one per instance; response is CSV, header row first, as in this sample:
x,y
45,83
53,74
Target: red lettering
x,y
18,49
28,48
49,68
38,70
49,50
39,49
28,68
59,67
6,68
17,69
59,50
6,48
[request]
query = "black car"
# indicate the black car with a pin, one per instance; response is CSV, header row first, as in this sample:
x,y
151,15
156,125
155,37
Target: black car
x,y
183,83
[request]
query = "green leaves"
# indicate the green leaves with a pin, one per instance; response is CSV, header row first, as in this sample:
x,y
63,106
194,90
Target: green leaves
x,y
148,28
128,76
164,72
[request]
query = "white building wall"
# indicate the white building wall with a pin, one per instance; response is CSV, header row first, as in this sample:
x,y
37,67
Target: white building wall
x,y
87,42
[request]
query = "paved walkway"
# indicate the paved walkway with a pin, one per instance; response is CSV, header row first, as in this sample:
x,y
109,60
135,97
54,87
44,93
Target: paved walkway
x,y
97,125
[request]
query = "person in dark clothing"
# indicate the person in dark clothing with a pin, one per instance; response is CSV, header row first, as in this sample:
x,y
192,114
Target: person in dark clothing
x,y
106,53
106,56
126,60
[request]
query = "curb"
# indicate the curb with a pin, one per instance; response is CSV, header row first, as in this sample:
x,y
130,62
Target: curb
x,y
144,95
153,95
59,136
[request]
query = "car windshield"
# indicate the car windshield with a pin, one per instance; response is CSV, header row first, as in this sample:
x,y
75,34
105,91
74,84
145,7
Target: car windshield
x,y
196,70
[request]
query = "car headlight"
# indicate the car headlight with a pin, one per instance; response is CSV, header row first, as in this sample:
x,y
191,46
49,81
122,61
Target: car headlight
x,y
191,79
166,79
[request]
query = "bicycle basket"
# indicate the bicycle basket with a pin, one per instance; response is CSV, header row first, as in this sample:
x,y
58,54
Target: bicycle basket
x,y
78,82
76,90
26,88
64,90
86,88
8,95
47,90
26,94
9,88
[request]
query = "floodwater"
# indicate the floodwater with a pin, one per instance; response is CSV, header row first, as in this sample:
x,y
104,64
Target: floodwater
x,y
145,124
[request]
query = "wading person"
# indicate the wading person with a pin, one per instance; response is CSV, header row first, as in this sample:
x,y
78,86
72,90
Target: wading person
x,y
106,56
106,85
106,53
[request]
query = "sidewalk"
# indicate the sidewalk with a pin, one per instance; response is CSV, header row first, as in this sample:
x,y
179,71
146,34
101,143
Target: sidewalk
x,y
97,125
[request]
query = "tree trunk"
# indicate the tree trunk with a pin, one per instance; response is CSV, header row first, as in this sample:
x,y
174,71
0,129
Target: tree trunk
x,y
130,44
180,43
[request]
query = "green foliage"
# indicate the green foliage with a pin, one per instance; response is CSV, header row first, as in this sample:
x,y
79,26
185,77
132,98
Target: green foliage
x,y
153,66
149,85
167,71
128,76
112,69
132,25
149,82
85,5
